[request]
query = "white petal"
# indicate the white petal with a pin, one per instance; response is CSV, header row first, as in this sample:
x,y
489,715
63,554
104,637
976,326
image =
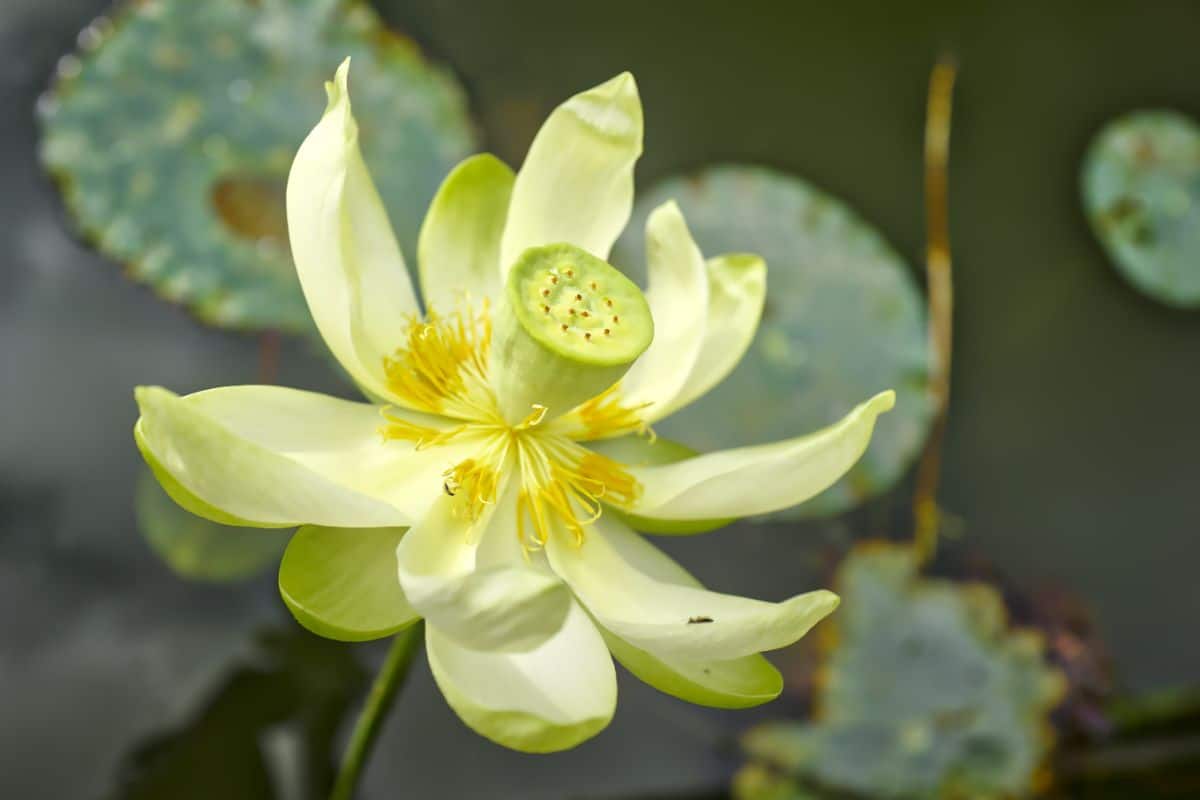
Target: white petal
x,y
678,299
540,701
670,619
350,266
759,479
267,455
459,246
486,604
737,286
725,683
576,184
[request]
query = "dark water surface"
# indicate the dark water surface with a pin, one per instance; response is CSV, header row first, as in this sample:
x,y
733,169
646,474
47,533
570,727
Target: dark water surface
x,y
1072,442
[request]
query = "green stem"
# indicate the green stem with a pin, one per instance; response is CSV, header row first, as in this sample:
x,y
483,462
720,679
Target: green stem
x,y
379,702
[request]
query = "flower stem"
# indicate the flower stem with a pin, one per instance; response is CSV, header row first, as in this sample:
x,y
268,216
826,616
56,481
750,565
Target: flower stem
x,y
383,692
941,301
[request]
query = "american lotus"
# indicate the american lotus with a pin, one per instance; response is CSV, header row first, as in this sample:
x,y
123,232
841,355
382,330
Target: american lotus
x,y
500,478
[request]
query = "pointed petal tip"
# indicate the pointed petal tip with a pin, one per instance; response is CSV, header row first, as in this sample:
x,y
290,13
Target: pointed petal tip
x,y
622,82
827,599
883,402
669,207
145,395
337,91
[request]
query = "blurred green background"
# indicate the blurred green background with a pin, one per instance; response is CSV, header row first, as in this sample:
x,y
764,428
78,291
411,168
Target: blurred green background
x,y
1071,448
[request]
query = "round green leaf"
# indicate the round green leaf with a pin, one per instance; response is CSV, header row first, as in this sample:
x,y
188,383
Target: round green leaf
x,y
927,691
343,583
172,131
843,320
1141,193
198,548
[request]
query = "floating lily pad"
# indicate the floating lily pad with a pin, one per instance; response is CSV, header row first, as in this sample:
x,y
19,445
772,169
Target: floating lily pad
x,y
926,693
1141,192
196,548
172,131
843,320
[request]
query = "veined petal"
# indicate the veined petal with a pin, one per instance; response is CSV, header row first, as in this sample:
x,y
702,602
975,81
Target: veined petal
x,y
270,456
459,247
576,184
496,603
341,583
541,701
678,299
759,479
737,285
350,266
670,619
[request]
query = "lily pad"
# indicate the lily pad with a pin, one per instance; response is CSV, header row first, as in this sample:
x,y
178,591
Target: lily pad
x,y
926,693
843,320
1141,193
172,130
194,547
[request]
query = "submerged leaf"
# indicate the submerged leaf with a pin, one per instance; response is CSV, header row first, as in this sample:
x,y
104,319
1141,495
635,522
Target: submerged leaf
x,y
172,131
1141,192
843,320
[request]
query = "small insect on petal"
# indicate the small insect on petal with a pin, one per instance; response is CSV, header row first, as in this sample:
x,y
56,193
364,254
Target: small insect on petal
x,y
698,620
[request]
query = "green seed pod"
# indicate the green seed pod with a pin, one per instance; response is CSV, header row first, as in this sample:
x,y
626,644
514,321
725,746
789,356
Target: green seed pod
x,y
568,327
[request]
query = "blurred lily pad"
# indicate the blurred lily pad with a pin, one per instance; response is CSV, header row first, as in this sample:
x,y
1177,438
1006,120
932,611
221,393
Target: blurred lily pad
x,y
196,548
843,320
172,130
925,693
1141,193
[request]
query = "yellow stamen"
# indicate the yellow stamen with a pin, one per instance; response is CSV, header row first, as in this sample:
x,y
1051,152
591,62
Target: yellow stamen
x,y
398,428
477,479
562,486
442,366
606,415
534,418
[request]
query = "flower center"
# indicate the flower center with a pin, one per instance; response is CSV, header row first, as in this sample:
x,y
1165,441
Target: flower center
x,y
442,368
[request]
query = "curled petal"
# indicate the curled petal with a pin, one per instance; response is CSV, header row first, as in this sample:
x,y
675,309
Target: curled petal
x,y
541,701
340,583
455,572
668,618
758,479
678,299
576,184
350,266
737,286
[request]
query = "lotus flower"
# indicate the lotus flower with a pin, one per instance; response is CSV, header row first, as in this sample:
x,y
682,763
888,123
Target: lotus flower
x,y
494,481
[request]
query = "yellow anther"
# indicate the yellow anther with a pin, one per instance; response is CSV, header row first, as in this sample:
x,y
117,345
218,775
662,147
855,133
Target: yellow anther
x,y
562,487
606,415
535,417
442,365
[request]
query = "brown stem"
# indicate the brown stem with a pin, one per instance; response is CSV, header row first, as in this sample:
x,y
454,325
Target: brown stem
x,y
268,357
940,288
